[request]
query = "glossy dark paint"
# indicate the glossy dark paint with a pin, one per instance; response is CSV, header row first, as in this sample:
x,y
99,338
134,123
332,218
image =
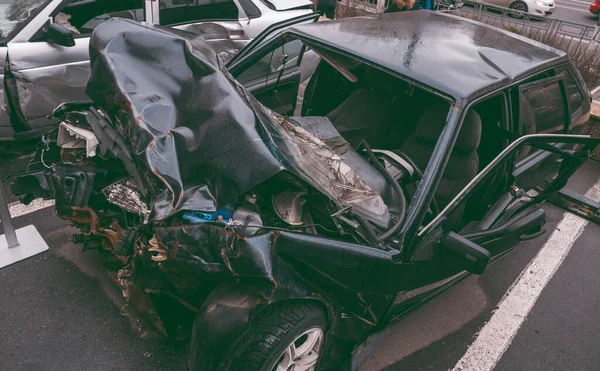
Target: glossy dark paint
x,y
453,55
362,288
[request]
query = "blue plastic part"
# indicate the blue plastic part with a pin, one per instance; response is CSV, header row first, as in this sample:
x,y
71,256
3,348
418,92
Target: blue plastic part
x,y
201,217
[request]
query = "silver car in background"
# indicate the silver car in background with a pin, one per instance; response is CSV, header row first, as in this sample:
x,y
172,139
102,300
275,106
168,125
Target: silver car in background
x,y
44,58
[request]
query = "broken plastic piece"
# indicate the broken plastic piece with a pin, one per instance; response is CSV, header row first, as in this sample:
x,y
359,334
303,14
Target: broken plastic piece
x,y
70,136
200,217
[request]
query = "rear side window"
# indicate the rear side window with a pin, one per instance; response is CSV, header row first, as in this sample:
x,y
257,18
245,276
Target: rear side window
x,y
543,108
574,95
250,9
188,11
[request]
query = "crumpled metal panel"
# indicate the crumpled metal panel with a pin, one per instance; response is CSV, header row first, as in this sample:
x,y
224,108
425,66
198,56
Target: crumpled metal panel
x,y
203,136
41,90
184,118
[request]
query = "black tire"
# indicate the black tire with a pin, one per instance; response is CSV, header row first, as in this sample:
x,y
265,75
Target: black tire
x,y
521,6
271,332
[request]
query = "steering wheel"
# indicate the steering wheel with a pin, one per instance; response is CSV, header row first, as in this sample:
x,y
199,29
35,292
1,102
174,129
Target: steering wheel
x,y
414,172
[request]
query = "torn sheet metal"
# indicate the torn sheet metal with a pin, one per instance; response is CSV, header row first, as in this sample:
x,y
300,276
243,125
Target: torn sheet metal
x,y
125,195
200,133
184,118
331,175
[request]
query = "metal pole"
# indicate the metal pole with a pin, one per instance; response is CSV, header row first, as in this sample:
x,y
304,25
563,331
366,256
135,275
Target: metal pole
x,y
9,230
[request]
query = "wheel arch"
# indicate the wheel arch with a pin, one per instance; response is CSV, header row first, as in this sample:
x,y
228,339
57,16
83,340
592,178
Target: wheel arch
x,y
224,316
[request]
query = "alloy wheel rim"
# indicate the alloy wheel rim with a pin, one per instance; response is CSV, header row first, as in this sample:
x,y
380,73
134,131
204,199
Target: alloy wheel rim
x,y
303,353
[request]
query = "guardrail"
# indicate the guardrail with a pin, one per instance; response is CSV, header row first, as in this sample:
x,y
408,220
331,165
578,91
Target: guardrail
x,y
572,38
502,18
571,35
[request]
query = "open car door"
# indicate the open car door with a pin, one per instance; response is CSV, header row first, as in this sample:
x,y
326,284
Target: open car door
x,y
441,254
269,66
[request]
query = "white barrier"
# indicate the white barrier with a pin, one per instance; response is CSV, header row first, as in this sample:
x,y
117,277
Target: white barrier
x,y
20,244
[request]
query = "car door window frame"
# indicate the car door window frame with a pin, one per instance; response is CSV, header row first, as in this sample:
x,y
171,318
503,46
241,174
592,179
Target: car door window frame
x,y
546,81
573,76
504,156
258,44
267,49
410,234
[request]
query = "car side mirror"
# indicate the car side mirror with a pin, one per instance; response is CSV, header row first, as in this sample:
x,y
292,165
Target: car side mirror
x,y
472,257
59,35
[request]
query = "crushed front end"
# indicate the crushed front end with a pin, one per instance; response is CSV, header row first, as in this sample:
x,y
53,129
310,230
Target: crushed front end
x,y
177,172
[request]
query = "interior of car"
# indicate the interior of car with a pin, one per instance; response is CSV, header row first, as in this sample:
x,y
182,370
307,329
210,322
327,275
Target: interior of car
x,y
364,103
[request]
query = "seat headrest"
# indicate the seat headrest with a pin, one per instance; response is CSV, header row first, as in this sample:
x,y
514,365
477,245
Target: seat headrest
x,y
432,122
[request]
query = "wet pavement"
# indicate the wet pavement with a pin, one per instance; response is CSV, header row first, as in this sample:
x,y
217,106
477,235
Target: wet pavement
x,y
60,311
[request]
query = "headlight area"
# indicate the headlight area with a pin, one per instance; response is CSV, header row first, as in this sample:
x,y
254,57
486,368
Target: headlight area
x,y
540,7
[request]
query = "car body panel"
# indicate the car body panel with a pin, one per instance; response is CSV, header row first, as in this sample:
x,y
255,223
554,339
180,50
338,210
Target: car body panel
x,y
167,133
55,74
498,57
595,7
45,75
5,130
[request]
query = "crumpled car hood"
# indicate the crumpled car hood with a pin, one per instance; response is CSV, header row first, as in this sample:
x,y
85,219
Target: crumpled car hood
x,y
202,136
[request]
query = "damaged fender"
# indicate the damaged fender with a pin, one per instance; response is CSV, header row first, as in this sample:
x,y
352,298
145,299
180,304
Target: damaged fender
x,y
223,317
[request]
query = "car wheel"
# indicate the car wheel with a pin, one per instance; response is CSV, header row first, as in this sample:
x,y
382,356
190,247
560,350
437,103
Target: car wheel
x,y
282,337
520,6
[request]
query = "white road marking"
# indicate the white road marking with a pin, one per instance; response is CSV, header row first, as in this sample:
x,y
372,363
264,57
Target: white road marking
x,y
17,209
577,9
496,336
586,3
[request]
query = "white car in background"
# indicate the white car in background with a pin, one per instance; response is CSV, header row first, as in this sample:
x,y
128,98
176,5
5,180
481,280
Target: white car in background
x,y
538,8
44,57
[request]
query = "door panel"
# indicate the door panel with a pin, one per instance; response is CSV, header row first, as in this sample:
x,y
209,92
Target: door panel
x,y
46,75
6,130
43,75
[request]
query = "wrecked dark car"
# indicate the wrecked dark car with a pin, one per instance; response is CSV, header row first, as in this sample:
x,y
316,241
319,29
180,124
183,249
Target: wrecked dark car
x,y
281,224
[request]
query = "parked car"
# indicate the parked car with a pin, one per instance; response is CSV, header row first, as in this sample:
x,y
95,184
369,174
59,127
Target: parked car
x,y
44,45
280,240
538,8
595,8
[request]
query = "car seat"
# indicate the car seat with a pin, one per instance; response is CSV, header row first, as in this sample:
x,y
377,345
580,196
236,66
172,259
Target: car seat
x,y
463,164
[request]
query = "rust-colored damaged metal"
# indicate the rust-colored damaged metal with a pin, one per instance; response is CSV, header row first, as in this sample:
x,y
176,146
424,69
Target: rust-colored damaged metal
x,y
577,204
85,216
209,249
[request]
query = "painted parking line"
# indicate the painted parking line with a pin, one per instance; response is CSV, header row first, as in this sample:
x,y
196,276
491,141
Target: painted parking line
x,y
497,334
17,209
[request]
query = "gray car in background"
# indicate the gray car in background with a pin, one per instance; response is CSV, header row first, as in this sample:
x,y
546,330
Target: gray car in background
x,y
44,58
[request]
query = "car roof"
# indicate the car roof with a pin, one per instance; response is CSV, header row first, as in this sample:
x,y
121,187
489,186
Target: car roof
x,y
453,55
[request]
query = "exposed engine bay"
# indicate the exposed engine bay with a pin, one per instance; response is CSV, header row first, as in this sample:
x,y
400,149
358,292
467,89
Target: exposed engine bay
x,y
187,179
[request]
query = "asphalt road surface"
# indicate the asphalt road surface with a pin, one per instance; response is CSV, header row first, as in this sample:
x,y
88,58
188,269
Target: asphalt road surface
x,y
60,311
576,11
